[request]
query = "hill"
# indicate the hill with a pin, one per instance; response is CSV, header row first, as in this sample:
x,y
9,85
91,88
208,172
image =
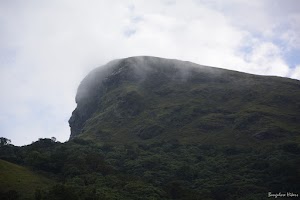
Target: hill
x,y
154,128
144,99
16,180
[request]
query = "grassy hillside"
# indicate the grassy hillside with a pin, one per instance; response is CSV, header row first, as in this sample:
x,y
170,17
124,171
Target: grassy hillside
x,y
21,180
151,99
152,128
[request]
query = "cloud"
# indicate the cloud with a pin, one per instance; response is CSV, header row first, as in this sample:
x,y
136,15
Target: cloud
x,y
296,73
47,47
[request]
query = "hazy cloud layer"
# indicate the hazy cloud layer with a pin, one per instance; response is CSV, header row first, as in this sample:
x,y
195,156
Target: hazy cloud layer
x,y
47,47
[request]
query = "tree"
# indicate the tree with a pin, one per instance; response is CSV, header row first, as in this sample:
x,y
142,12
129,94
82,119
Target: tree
x,y
4,141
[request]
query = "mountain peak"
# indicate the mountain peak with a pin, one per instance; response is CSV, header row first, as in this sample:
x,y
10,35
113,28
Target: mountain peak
x,y
149,98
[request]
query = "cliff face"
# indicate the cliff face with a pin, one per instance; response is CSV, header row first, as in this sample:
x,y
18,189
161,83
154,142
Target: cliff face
x,y
149,98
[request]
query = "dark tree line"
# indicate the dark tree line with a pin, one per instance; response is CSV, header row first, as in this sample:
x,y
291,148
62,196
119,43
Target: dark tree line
x,y
159,170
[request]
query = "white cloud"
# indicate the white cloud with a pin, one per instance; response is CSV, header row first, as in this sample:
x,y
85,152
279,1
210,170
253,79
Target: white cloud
x,y
295,74
48,46
266,59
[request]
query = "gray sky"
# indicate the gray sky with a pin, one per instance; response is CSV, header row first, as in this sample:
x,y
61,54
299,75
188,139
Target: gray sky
x,y
48,46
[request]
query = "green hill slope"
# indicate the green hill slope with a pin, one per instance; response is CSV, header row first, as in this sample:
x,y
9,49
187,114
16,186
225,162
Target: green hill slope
x,y
153,128
144,99
16,180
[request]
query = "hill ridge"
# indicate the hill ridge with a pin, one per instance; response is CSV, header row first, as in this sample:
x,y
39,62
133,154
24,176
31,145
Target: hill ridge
x,y
142,98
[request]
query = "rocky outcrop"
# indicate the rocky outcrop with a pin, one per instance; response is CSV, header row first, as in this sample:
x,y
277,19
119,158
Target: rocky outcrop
x,y
104,78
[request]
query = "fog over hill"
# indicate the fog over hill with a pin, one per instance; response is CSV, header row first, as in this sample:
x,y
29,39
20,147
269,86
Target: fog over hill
x,y
150,98
155,128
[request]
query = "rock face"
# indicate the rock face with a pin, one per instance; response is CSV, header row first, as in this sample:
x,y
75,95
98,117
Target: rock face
x,y
147,98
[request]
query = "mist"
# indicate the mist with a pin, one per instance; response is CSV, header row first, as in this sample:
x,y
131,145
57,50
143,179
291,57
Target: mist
x,y
47,48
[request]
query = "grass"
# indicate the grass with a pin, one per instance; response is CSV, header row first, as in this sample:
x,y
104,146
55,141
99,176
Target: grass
x,y
208,105
21,179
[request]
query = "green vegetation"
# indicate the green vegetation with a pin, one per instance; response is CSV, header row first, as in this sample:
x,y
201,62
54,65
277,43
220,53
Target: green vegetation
x,y
160,170
4,141
144,128
17,181
158,99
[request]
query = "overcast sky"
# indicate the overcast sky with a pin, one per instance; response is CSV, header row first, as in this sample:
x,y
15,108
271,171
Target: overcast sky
x,y
48,46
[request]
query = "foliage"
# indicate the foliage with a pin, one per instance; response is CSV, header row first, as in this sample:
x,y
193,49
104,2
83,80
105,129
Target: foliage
x,y
160,132
19,182
161,170
4,141
159,99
